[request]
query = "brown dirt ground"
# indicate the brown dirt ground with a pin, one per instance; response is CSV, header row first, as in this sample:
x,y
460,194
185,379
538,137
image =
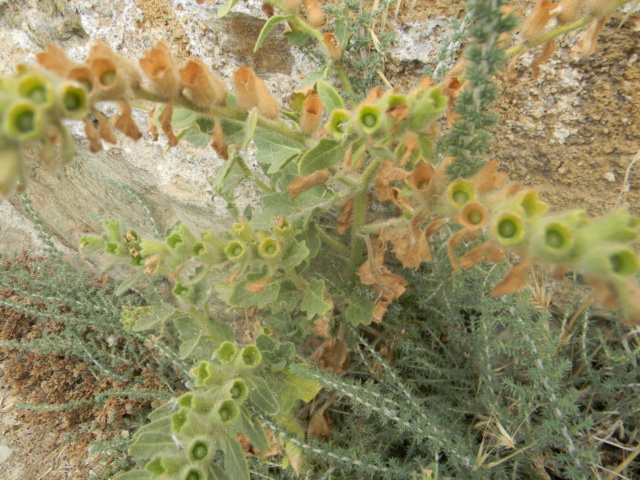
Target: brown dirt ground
x,y
606,135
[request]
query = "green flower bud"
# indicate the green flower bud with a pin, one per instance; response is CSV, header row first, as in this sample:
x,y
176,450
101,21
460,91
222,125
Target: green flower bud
x,y
338,124
619,226
72,100
250,356
243,231
37,89
528,201
236,251
226,353
22,121
200,450
206,373
238,390
509,229
178,420
611,262
460,192
227,411
369,118
155,468
210,250
552,239
426,107
180,240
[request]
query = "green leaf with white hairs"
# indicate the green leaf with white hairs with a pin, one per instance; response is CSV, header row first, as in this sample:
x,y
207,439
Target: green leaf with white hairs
x,y
330,97
325,154
260,395
226,8
314,302
359,312
253,429
134,475
235,462
268,28
275,150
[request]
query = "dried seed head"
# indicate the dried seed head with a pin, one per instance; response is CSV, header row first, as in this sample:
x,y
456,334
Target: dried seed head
x,y
115,75
311,114
267,105
315,14
292,5
570,9
245,86
158,65
205,88
332,44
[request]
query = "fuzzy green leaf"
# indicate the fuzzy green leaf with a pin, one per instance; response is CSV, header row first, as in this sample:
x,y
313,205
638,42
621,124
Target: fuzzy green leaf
x,y
274,150
224,9
157,314
268,28
324,155
359,312
233,130
218,472
244,299
183,118
150,444
134,475
297,254
234,461
306,388
261,396
194,343
297,37
253,429
331,99
196,138
313,302
128,283
250,127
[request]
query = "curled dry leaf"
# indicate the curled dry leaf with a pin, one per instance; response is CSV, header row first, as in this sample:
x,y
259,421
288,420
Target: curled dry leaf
x,y
488,178
388,174
410,245
165,122
302,184
547,52
589,39
388,285
95,145
345,220
535,23
105,131
321,327
219,144
125,123
515,279
332,355
56,60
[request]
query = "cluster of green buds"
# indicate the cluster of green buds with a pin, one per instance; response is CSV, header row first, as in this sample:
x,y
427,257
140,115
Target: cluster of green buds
x,y
32,105
391,112
513,219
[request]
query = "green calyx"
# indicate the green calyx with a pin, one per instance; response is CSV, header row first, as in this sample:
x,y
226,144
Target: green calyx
x,y
226,353
528,201
236,251
194,473
206,373
338,124
251,356
369,118
227,411
200,450
461,192
509,229
37,89
611,262
22,121
238,390
427,106
269,249
73,101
